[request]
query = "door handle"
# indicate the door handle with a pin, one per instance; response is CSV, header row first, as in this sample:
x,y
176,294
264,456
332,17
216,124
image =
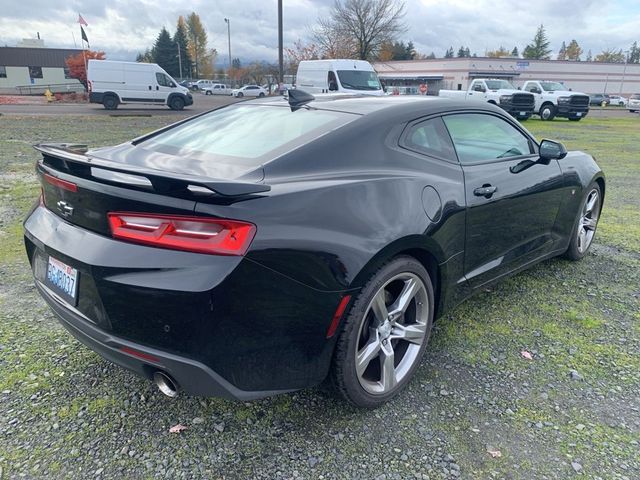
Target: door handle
x,y
149,87
157,87
485,191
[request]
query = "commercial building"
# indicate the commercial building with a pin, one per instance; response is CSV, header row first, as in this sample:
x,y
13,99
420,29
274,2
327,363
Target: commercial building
x,y
457,73
33,69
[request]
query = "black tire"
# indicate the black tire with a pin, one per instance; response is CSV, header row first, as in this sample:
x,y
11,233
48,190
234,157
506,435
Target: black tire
x,y
261,95
176,103
207,92
110,102
240,94
575,251
344,376
547,112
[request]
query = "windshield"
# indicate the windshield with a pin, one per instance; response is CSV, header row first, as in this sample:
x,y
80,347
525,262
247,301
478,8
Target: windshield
x,y
359,80
499,85
552,86
246,134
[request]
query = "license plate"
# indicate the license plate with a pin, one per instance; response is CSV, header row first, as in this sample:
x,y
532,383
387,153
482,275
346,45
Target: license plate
x,y
62,279
578,114
523,114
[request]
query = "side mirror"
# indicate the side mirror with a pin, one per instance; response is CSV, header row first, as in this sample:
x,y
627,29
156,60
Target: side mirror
x,y
550,150
172,85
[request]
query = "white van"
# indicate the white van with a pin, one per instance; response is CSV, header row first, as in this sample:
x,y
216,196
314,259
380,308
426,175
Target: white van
x,y
339,76
112,83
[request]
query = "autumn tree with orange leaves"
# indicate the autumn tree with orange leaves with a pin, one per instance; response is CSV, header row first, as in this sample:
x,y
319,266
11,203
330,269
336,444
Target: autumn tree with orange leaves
x,y
76,65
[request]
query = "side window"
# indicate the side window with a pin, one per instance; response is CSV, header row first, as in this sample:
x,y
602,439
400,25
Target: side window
x,y
35,72
3,72
163,80
479,137
430,138
476,86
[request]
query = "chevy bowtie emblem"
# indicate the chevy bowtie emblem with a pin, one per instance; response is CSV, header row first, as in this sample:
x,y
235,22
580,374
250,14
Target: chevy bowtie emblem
x,y
65,209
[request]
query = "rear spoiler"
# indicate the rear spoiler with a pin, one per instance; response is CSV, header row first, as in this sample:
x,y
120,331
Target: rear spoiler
x,y
160,180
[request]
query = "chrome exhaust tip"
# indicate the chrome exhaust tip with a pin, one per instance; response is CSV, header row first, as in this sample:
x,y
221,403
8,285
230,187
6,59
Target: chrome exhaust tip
x,y
165,384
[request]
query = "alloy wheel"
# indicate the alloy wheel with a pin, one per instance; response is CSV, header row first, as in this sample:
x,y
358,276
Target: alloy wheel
x,y
588,220
391,334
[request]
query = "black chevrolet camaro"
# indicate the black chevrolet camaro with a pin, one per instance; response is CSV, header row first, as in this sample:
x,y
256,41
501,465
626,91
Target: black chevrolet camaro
x,y
266,246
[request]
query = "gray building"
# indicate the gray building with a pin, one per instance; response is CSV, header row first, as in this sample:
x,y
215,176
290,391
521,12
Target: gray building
x,y
457,73
29,70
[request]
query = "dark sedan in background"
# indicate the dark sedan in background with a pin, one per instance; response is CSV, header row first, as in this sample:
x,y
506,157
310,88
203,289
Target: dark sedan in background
x,y
271,244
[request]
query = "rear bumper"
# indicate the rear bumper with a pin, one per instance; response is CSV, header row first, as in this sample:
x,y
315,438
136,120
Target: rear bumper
x,y
221,326
192,376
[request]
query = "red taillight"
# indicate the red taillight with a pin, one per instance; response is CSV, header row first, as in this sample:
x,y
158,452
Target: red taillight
x,y
338,315
216,236
142,355
58,182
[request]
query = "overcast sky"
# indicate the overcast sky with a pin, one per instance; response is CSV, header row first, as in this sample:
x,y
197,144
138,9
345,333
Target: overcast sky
x,y
124,27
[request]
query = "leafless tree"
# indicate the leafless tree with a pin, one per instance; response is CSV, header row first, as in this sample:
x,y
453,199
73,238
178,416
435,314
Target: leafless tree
x,y
358,28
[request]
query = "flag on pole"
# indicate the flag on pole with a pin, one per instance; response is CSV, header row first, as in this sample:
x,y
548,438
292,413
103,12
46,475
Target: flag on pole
x,y
82,21
84,35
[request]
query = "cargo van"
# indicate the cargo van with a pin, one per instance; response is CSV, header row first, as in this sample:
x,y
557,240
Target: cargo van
x,y
338,76
113,83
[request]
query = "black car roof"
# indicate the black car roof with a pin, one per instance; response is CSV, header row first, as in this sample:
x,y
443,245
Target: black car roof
x,y
366,104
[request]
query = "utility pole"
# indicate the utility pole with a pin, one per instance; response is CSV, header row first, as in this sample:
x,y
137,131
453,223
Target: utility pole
x,y
280,59
228,22
624,71
180,61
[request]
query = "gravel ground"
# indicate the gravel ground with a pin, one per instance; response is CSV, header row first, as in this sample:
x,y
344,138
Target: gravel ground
x,y
476,409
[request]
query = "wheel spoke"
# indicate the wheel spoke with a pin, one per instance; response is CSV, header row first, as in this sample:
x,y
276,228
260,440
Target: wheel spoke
x,y
379,307
413,333
589,223
582,238
410,289
591,202
368,352
387,368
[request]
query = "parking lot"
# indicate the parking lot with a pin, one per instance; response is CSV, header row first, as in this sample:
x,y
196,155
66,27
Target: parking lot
x,y
476,409
202,103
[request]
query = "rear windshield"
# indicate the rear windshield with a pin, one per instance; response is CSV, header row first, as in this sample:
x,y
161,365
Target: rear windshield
x,y
246,134
359,80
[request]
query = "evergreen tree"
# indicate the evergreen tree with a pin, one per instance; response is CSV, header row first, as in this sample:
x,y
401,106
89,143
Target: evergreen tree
x,y
573,52
431,56
539,48
449,53
589,56
514,52
165,53
181,39
634,53
461,52
235,63
411,51
562,53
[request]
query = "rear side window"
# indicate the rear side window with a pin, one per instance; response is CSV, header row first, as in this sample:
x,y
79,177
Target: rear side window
x,y
430,138
479,137
246,134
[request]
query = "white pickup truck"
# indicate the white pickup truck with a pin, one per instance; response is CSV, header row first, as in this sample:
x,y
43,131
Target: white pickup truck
x,y
499,92
554,100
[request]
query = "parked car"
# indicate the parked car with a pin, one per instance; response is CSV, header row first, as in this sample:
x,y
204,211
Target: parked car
x,y
599,99
112,83
498,92
217,89
634,103
260,247
553,99
201,84
339,76
249,91
618,100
